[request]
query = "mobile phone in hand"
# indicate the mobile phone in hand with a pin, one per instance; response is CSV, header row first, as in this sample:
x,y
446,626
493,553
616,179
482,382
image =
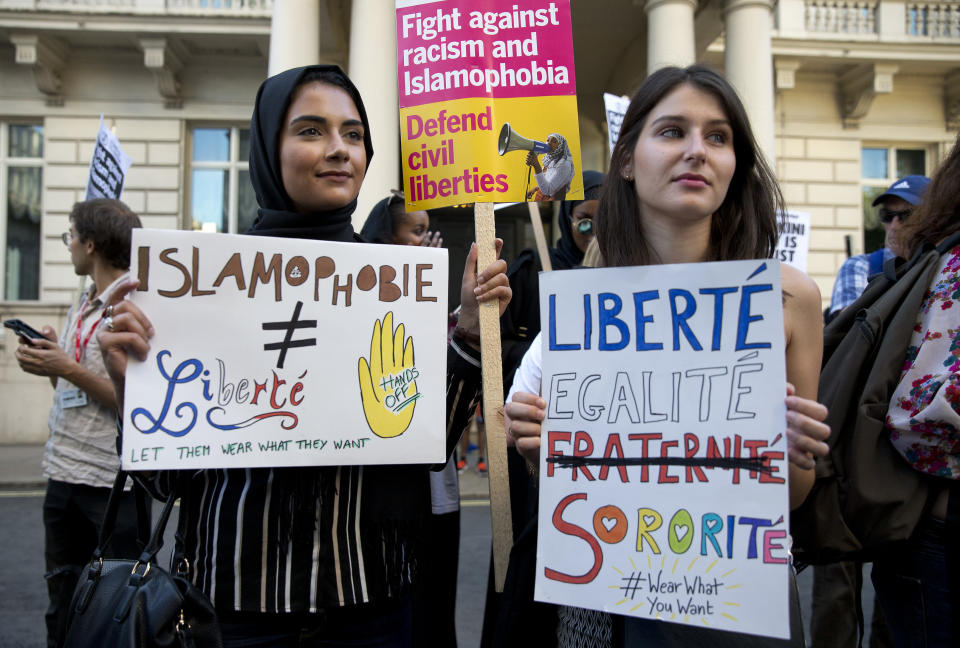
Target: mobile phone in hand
x,y
23,329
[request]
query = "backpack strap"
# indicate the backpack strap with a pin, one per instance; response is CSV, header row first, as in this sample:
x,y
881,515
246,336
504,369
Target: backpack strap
x,y
875,263
949,243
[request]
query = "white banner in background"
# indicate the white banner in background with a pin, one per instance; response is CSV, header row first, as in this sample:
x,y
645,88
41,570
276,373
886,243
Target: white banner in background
x,y
616,108
793,246
109,166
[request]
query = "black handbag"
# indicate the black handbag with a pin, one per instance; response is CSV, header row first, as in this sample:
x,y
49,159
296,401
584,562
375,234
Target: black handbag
x,y
134,603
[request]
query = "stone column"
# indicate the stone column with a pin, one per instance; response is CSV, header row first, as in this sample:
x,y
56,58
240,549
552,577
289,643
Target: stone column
x,y
373,68
748,63
670,33
294,35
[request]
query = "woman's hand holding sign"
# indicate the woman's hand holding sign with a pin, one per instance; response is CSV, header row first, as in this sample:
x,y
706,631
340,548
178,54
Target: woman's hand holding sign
x,y
490,284
125,330
524,415
806,432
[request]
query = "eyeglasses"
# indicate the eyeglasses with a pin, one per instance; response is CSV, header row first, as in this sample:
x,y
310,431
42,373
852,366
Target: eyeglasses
x,y
887,215
66,237
583,224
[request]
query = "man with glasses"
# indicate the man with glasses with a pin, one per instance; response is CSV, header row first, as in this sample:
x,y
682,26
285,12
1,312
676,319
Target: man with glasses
x,y
80,459
895,205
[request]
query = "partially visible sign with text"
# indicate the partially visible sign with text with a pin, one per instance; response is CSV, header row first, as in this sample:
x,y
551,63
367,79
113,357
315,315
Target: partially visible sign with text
x,y
482,84
663,471
108,167
285,352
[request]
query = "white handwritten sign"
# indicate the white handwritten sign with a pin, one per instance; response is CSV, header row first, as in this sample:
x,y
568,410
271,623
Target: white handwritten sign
x,y
663,468
615,107
793,246
283,352
108,167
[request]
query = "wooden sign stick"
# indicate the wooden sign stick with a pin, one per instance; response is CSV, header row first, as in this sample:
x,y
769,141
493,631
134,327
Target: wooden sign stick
x,y
500,516
539,237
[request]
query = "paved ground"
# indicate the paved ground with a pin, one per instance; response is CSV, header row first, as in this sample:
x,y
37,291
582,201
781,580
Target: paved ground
x,y
23,593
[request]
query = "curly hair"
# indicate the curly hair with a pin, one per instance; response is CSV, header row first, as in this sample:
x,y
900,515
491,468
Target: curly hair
x,y
107,223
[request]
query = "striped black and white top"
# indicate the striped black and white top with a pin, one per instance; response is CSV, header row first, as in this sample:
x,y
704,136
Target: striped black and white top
x,y
281,540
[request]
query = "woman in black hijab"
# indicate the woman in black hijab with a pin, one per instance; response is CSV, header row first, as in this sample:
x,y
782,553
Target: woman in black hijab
x,y
310,556
389,223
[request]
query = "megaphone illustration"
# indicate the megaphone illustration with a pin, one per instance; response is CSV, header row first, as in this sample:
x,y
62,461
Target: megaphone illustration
x,y
510,140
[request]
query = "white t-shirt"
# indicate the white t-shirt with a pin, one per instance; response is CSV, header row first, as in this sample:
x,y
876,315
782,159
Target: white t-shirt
x,y
528,376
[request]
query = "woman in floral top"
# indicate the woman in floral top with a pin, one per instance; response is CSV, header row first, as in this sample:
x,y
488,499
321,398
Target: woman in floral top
x,y
914,586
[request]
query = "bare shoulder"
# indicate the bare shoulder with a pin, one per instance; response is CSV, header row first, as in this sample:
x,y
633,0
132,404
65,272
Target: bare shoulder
x,y
799,288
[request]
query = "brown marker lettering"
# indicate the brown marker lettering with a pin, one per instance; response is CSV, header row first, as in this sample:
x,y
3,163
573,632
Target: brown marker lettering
x,y
346,288
185,287
143,267
195,290
389,291
421,283
263,274
233,268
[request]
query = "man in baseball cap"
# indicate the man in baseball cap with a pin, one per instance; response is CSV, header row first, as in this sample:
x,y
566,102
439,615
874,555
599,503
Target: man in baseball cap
x,y
894,207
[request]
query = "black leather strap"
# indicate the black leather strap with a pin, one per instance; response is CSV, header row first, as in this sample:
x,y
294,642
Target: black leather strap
x,y
110,515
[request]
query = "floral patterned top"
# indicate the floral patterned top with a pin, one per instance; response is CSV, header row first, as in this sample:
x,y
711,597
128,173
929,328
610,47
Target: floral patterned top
x,y
924,413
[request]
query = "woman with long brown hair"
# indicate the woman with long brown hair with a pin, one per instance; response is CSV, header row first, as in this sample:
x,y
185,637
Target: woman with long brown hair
x,y
688,184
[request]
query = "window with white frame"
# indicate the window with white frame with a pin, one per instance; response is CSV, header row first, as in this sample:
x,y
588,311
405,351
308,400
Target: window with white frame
x,y
21,181
880,167
221,196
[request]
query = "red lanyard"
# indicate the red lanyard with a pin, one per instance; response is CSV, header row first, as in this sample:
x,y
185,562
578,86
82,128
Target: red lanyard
x,y
81,349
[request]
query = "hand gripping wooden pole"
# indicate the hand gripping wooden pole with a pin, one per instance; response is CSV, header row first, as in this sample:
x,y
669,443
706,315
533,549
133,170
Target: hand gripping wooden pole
x,y
500,516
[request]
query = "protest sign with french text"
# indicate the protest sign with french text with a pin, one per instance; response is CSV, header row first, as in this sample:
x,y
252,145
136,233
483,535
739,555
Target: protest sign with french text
x,y
283,352
663,468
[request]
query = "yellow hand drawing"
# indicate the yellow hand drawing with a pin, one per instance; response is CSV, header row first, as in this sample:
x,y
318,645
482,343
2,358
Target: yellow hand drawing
x,y
388,385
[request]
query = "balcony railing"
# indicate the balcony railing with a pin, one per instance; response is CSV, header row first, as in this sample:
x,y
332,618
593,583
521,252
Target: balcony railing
x,y
936,19
892,20
839,17
227,8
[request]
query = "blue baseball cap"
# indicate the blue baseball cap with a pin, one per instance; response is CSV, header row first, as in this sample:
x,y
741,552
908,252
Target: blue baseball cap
x,y
910,188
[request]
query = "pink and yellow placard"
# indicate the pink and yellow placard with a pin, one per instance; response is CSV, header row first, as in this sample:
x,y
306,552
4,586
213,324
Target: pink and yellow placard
x,y
481,84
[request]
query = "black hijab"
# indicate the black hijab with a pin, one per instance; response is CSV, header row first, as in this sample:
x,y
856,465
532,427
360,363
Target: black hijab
x,y
567,255
276,216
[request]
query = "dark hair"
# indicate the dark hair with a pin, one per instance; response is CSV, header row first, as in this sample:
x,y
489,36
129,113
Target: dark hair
x,y
746,224
107,223
938,215
397,208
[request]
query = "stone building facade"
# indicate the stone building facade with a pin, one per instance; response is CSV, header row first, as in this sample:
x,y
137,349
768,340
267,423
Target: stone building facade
x,y
844,95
